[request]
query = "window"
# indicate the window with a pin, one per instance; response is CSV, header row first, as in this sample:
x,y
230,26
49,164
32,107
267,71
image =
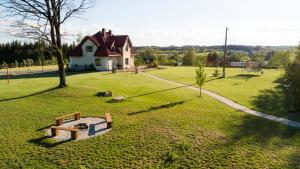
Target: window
x,y
127,61
89,49
98,62
127,47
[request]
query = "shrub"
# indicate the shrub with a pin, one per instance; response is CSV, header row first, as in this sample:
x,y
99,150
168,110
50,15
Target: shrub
x,y
151,65
114,69
16,63
292,80
171,63
216,73
91,67
53,61
85,67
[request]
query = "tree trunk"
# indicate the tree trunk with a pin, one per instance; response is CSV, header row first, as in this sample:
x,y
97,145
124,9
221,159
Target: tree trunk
x,y
61,70
200,92
60,57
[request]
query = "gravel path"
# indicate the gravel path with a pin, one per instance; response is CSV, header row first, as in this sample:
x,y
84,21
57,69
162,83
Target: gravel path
x,y
234,104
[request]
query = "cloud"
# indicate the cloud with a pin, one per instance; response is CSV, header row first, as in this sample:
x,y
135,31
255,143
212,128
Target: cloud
x,y
6,22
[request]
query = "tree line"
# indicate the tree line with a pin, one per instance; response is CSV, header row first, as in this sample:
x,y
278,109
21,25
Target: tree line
x,y
191,57
20,54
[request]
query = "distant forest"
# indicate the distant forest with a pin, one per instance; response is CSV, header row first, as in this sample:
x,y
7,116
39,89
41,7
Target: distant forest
x,y
17,52
251,50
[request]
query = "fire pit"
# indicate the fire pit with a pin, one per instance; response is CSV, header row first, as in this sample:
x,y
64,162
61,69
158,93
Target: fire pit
x,y
81,126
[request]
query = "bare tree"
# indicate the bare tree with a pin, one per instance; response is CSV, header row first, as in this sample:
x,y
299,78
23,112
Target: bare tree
x,y
42,19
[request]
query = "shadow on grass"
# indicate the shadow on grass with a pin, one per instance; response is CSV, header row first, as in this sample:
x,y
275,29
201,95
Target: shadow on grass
x,y
159,91
212,79
93,131
262,130
39,74
29,95
45,142
244,76
25,75
164,106
44,128
272,101
255,132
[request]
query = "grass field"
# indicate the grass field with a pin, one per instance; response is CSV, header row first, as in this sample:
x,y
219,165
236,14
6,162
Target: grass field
x,y
262,93
158,126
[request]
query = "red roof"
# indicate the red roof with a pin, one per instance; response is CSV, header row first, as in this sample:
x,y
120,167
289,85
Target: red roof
x,y
107,44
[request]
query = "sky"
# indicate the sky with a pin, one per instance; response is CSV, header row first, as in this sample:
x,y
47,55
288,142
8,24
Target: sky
x,y
190,22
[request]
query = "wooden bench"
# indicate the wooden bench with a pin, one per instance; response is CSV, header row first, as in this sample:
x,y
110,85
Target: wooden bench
x,y
108,120
74,132
59,120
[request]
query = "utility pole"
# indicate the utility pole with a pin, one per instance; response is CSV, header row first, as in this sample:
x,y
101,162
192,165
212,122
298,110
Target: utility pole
x,y
225,54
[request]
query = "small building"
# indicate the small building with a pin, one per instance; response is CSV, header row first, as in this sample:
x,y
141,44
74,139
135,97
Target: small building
x,y
103,51
237,64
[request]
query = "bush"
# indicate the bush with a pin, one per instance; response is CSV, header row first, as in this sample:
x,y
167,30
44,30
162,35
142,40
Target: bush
x,y
151,65
216,73
92,67
16,63
114,69
53,61
292,84
171,63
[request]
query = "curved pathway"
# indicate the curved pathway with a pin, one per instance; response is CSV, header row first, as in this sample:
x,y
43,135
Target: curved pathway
x,y
234,104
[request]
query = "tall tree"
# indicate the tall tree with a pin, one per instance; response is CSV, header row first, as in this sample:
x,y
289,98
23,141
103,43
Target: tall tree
x,y
42,19
212,59
189,57
292,80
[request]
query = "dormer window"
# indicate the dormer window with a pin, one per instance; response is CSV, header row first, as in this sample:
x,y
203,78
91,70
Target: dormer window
x,y
89,49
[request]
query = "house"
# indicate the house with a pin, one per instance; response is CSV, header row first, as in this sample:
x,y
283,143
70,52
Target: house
x,y
103,51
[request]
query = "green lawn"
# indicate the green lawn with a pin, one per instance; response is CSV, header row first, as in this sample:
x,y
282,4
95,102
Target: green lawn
x,y
158,126
262,93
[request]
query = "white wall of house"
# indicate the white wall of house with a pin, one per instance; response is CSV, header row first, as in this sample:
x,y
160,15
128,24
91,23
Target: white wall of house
x,y
87,58
114,62
132,61
105,61
127,55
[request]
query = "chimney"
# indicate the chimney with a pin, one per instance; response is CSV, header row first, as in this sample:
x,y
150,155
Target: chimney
x,y
110,33
104,33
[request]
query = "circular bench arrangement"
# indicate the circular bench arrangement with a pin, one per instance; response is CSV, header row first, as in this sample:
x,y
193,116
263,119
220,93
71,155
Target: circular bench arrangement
x,y
74,127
